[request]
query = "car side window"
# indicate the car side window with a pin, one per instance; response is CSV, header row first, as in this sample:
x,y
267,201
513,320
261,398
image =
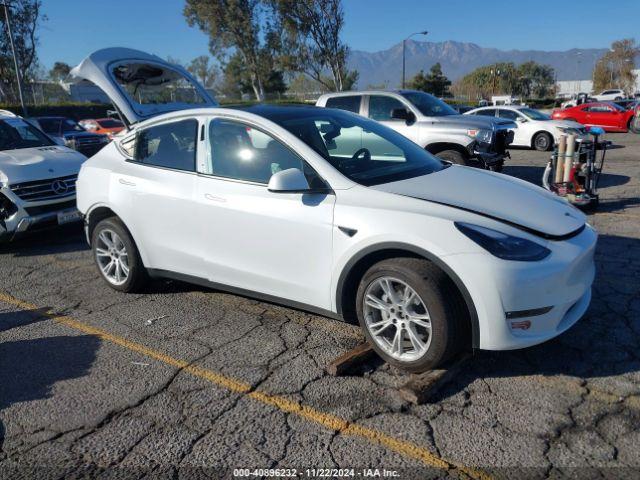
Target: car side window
x,y
380,107
489,112
242,152
508,114
350,103
169,145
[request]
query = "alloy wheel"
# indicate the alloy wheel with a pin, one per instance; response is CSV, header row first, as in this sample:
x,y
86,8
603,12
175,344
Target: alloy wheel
x,y
112,257
397,319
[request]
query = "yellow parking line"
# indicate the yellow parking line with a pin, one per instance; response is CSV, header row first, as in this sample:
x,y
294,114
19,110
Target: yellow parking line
x,y
326,420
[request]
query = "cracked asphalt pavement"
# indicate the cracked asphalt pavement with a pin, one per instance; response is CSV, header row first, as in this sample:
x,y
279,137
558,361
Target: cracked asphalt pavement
x,y
183,382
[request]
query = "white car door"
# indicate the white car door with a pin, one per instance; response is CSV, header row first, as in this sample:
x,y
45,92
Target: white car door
x,y
276,244
155,191
521,135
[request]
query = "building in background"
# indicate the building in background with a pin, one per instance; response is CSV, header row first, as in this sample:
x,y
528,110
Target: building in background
x,y
567,88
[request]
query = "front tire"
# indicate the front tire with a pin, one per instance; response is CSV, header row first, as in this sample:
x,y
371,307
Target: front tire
x,y
410,313
542,142
117,256
453,156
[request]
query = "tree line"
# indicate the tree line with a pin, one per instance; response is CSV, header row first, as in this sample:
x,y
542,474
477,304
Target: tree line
x,y
266,47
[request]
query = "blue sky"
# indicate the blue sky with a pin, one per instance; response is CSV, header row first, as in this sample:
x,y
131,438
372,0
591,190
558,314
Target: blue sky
x,y
77,27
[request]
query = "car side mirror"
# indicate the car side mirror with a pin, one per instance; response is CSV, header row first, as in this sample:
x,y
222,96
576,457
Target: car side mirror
x,y
403,114
291,180
521,120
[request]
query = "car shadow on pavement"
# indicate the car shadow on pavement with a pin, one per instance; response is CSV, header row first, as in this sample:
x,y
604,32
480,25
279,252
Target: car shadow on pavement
x,y
603,344
31,367
60,240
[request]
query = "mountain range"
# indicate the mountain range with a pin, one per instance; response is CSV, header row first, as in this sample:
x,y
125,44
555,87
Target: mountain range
x,y
457,59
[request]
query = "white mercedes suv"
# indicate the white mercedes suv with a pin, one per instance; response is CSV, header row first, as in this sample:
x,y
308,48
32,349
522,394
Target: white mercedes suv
x,y
272,202
37,179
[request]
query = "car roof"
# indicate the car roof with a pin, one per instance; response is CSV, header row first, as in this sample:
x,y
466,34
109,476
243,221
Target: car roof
x,y
371,92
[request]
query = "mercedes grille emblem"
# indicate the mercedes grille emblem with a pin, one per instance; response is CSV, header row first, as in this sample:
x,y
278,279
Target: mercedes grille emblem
x,y
59,187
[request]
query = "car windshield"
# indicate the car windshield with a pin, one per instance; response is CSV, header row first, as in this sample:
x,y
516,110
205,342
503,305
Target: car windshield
x,y
15,133
58,126
110,123
429,105
534,114
361,149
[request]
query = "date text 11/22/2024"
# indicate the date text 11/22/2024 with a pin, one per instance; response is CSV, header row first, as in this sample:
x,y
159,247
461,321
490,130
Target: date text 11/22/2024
x,y
315,472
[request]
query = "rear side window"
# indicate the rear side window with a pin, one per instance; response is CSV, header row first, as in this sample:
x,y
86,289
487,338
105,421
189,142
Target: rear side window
x,y
349,103
170,145
490,112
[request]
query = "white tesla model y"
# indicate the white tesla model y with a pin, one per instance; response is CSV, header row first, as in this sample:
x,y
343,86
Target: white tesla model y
x,y
329,212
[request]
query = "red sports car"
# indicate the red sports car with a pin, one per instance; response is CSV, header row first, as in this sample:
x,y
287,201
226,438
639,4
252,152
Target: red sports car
x,y
608,115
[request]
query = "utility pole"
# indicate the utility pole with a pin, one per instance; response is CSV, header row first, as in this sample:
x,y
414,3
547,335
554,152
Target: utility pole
x,y
404,47
15,59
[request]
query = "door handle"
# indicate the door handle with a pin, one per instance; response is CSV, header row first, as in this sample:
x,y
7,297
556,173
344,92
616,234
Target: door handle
x,y
213,198
126,182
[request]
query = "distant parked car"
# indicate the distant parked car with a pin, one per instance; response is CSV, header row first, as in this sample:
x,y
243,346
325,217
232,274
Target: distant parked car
x,y
69,133
535,129
578,99
608,95
608,115
105,126
432,124
37,179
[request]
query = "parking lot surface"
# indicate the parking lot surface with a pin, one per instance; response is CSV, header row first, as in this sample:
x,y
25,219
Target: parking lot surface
x,y
183,382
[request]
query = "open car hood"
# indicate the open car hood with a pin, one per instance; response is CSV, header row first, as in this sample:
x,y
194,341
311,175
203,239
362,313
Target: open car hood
x,y
142,85
510,200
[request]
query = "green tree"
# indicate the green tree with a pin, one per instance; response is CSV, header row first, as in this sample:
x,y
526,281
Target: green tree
x,y
615,68
205,72
236,80
235,26
536,80
59,71
25,20
435,82
506,78
312,43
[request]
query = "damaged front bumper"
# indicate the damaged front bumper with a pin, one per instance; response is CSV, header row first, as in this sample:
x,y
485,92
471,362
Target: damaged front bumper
x,y
18,217
492,155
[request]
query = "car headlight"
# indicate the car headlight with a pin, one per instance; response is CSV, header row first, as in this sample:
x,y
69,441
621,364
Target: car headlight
x,y
481,135
502,245
569,130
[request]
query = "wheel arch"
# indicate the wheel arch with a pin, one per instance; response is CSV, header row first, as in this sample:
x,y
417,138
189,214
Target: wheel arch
x,y
442,146
355,268
99,212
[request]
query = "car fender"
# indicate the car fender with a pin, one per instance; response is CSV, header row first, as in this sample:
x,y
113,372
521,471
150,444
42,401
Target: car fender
x,y
349,261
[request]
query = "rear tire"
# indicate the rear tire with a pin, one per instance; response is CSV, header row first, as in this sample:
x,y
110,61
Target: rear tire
x,y
117,257
542,142
453,156
434,301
